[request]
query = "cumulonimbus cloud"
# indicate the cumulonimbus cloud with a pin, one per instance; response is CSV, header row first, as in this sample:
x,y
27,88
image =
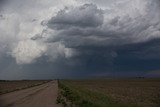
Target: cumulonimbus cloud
x,y
87,15
50,30
106,27
27,51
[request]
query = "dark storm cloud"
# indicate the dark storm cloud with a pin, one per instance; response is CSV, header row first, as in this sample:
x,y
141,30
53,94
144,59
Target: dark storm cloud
x,y
82,21
147,50
67,18
87,23
2,3
121,43
101,37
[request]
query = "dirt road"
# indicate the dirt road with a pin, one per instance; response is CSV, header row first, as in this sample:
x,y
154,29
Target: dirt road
x,y
39,96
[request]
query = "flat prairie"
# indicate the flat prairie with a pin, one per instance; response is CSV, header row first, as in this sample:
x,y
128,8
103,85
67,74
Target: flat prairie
x,y
112,92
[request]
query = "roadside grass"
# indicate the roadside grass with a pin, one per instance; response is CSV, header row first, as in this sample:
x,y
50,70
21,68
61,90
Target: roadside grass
x,y
10,86
71,95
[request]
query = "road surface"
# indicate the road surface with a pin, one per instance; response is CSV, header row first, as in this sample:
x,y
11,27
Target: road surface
x,y
39,96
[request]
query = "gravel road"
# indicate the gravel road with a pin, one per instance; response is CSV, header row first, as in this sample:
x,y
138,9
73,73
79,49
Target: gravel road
x,y
39,96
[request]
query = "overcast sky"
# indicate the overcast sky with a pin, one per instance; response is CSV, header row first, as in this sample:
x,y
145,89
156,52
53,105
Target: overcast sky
x,y
45,39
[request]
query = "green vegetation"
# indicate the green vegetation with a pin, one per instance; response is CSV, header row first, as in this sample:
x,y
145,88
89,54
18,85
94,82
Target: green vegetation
x,y
77,96
110,93
10,86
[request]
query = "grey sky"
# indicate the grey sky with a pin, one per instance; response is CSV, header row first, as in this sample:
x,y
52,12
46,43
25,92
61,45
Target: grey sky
x,y
79,36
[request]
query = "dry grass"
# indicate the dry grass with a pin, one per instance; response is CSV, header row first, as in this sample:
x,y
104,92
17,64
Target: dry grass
x,y
9,86
141,92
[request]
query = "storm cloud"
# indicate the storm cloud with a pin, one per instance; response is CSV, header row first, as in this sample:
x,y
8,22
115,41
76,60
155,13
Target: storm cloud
x,y
87,15
90,37
106,27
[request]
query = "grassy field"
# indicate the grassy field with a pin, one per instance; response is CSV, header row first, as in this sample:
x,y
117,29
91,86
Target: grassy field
x,y
110,93
9,86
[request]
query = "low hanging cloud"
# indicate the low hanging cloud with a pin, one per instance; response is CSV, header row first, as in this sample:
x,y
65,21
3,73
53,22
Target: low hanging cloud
x,y
58,50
